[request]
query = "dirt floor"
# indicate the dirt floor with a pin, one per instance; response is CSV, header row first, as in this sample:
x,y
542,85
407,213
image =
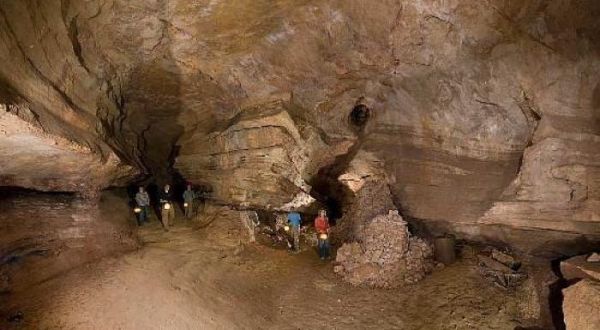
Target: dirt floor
x,y
199,277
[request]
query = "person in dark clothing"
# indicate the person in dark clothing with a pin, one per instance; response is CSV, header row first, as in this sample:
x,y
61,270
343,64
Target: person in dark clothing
x,y
143,203
189,196
166,206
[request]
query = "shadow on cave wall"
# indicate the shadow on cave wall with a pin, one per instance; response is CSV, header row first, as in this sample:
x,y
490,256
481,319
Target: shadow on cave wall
x,y
152,105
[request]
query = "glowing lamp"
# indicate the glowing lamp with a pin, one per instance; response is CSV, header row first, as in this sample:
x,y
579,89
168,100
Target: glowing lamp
x,y
185,204
167,206
286,228
137,210
323,236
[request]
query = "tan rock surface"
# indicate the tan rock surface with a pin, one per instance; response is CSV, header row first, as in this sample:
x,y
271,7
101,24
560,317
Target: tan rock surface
x,y
485,113
581,305
578,268
34,159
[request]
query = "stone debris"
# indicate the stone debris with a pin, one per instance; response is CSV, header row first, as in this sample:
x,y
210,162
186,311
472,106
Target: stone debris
x,y
385,256
501,269
373,199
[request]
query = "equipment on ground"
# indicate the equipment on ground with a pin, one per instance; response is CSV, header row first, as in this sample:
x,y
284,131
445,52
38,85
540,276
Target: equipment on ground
x,y
167,206
323,236
137,210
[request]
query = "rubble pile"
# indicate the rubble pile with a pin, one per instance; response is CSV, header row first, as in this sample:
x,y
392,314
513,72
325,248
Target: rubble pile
x,y
385,255
372,199
500,268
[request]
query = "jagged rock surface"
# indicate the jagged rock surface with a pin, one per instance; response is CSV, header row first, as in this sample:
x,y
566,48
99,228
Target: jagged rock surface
x,y
386,256
262,159
485,113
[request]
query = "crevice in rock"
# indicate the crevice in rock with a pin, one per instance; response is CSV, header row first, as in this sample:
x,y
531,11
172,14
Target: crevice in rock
x,y
533,117
73,36
327,189
555,298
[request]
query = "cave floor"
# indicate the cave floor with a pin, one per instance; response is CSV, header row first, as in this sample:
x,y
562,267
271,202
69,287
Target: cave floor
x,y
191,278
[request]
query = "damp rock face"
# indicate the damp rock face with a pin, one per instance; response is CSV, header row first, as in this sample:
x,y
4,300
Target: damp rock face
x,y
386,256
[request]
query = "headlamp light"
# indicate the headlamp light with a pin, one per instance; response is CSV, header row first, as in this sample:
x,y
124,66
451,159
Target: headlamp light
x,y
286,228
323,236
167,206
185,204
137,210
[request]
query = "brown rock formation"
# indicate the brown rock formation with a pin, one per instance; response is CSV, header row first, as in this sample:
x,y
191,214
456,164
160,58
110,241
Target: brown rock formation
x,y
581,305
34,159
386,256
46,235
263,159
485,113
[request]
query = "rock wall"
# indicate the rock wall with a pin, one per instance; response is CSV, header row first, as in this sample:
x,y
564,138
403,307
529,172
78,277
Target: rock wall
x,y
34,159
43,235
262,159
485,112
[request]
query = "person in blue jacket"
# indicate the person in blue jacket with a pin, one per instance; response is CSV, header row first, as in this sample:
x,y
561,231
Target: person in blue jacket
x,y
295,221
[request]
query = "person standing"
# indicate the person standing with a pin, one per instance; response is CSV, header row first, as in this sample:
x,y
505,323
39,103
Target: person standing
x,y
188,201
143,203
295,221
166,206
322,228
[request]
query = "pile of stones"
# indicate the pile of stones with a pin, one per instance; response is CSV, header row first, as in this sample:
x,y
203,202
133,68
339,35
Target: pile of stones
x,y
500,268
384,255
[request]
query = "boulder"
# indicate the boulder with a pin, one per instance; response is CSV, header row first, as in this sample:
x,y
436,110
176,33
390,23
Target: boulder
x,y
581,305
579,268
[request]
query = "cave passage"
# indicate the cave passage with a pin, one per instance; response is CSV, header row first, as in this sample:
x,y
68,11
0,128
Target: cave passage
x,y
410,122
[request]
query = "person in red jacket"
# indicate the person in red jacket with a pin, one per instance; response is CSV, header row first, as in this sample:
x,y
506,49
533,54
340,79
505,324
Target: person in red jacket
x,y
322,228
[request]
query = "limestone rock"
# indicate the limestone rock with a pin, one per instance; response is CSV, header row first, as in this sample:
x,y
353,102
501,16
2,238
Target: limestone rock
x,y
386,256
34,159
263,159
579,268
581,305
485,113
371,200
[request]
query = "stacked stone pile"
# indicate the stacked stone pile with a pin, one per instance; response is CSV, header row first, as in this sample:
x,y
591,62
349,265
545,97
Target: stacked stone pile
x,y
385,256
374,198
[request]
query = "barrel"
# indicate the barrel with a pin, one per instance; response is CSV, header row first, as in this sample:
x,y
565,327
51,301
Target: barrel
x,y
444,249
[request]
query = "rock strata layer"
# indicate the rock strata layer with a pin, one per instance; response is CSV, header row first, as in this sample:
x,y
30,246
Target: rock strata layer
x,y
486,113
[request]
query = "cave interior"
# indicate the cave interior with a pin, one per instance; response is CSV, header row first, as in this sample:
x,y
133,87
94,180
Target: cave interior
x,y
454,145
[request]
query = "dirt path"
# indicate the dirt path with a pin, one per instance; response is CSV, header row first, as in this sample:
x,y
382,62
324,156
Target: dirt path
x,y
197,279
